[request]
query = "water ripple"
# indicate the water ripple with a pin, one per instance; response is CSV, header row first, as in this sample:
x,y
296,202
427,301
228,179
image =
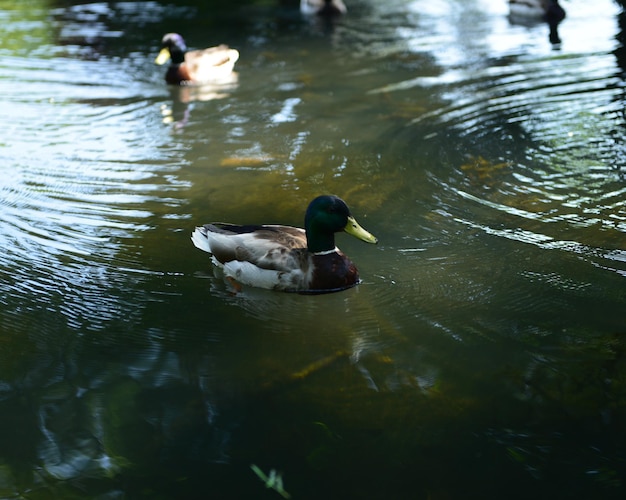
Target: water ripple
x,y
79,179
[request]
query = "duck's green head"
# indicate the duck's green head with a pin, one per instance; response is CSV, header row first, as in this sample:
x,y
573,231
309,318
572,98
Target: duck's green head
x,y
326,216
172,46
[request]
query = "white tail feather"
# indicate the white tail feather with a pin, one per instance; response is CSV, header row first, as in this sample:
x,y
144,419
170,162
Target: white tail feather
x,y
200,240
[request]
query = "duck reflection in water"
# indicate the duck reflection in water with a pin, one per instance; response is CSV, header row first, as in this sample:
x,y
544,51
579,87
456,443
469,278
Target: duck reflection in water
x,y
182,98
526,12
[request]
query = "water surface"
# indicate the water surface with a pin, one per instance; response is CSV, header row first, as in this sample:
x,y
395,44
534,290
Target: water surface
x,y
482,355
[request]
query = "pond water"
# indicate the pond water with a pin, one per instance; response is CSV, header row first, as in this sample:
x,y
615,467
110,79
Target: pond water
x,y
483,355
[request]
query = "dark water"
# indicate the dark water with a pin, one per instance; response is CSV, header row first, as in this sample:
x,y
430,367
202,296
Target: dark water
x,y
483,356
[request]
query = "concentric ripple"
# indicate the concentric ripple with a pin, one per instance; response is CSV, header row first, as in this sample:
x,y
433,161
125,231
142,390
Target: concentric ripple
x,y
79,180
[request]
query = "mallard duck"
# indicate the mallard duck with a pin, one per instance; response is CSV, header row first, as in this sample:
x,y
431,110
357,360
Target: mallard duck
x,y
196,66
284,257
549,11
328,8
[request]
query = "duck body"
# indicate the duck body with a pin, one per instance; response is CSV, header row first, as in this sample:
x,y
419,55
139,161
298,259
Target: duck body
x,y
538,9
325,8
549,11
195,67
284,257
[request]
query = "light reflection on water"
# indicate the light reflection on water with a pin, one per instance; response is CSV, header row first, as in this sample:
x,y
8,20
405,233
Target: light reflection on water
x,y
487,327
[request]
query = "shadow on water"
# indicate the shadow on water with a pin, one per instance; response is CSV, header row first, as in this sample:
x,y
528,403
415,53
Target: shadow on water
x,y
482,355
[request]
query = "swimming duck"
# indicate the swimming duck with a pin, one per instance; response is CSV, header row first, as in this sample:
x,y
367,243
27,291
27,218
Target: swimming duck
x,y
287,258
546,10
196,66
327,8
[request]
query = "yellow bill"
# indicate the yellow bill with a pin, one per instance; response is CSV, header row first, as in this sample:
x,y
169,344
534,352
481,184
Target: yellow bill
x,y
163,56
353,228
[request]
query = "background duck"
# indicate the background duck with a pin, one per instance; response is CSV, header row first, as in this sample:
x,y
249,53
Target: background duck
x,y
284,257
196,66
327,8
549,11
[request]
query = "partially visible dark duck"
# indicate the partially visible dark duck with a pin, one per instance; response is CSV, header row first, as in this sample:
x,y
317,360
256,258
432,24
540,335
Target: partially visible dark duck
x,y
549,11
195,67
326,8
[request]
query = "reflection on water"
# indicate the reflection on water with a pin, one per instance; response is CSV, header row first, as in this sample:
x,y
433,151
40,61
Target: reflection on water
x,y
486,340
179,112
